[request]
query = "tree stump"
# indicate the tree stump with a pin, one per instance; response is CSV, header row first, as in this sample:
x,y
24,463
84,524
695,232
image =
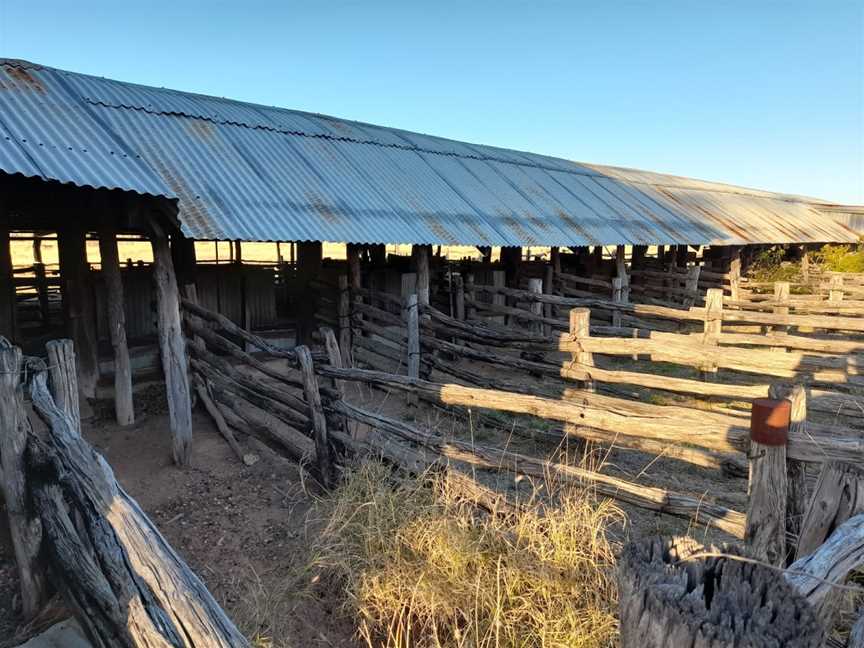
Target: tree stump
x,y
671,598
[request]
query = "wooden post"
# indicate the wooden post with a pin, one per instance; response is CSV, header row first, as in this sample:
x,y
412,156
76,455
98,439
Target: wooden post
x,y
713,325
835,292
580,329
805,267
637,259
691,285
421,260
78,306
555,262
25,530
459,305
344,315
412,320
323,454
172,346
355,283
535,286
550,281
63,379
124,409
499,280
765,530
470,311
618,298
781,296
796,474
681,253
7,287
309,259
511,260
735,274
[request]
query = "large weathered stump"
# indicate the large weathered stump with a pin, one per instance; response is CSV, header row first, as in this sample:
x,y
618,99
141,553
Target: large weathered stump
x,y
671,598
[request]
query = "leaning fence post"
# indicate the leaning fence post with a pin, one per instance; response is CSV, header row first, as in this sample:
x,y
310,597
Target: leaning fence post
x,y
765,529
470,311
412,320
580,329
323,455
691,285
63,379
713,326
549,289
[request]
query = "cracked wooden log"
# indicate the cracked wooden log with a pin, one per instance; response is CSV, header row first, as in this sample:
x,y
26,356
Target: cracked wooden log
x,y
26,530
126,585
671,595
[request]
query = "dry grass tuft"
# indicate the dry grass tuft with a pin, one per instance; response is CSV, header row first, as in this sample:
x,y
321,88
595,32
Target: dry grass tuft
x,y
422,569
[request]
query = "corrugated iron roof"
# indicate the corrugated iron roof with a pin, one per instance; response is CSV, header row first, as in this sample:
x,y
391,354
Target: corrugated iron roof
x,y
250,172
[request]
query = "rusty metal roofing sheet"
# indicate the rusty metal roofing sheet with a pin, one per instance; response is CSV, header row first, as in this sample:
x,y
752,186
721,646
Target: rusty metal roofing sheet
x,y
243,171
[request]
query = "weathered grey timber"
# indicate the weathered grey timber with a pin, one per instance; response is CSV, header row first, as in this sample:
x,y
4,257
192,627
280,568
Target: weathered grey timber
x,y
126,585
671,598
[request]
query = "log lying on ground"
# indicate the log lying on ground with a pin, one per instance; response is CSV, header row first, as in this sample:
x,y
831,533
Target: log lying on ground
x,y
125,583
671,598
837,496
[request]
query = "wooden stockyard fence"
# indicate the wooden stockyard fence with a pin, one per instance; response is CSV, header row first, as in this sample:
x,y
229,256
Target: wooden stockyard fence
x,y
581,360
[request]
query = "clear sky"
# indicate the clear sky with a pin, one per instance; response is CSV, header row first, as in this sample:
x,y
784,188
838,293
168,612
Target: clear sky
x,y
758,93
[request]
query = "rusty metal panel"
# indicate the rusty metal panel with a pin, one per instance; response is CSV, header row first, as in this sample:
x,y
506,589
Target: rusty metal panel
x,y
243,171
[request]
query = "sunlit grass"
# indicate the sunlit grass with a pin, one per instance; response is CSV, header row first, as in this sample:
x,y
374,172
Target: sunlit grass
x,y
420,568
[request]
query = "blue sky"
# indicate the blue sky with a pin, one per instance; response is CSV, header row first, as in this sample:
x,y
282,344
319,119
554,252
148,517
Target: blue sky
x,y
763,94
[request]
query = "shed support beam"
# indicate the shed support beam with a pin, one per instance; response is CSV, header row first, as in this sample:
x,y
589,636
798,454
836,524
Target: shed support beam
x,y
78,306
7,287
421,254
124,409
511,260
183,256
172,347
309,259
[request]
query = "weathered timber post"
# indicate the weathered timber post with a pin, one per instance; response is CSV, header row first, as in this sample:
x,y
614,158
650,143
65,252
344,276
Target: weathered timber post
x,y
499,280
781,297
691,285
735,274
712,327
765,530
309,259
535,286
618,298
25,530
78,305
637,256
421,255
172,346
805,267
63,379
835,289
124,408
343,311
412,321
675,593
550,282
459,302
323,454
355,284
796,474
555,263
580,329
7,287
470,310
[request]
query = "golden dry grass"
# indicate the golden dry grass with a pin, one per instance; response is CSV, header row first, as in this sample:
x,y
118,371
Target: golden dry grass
x,y
419,568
